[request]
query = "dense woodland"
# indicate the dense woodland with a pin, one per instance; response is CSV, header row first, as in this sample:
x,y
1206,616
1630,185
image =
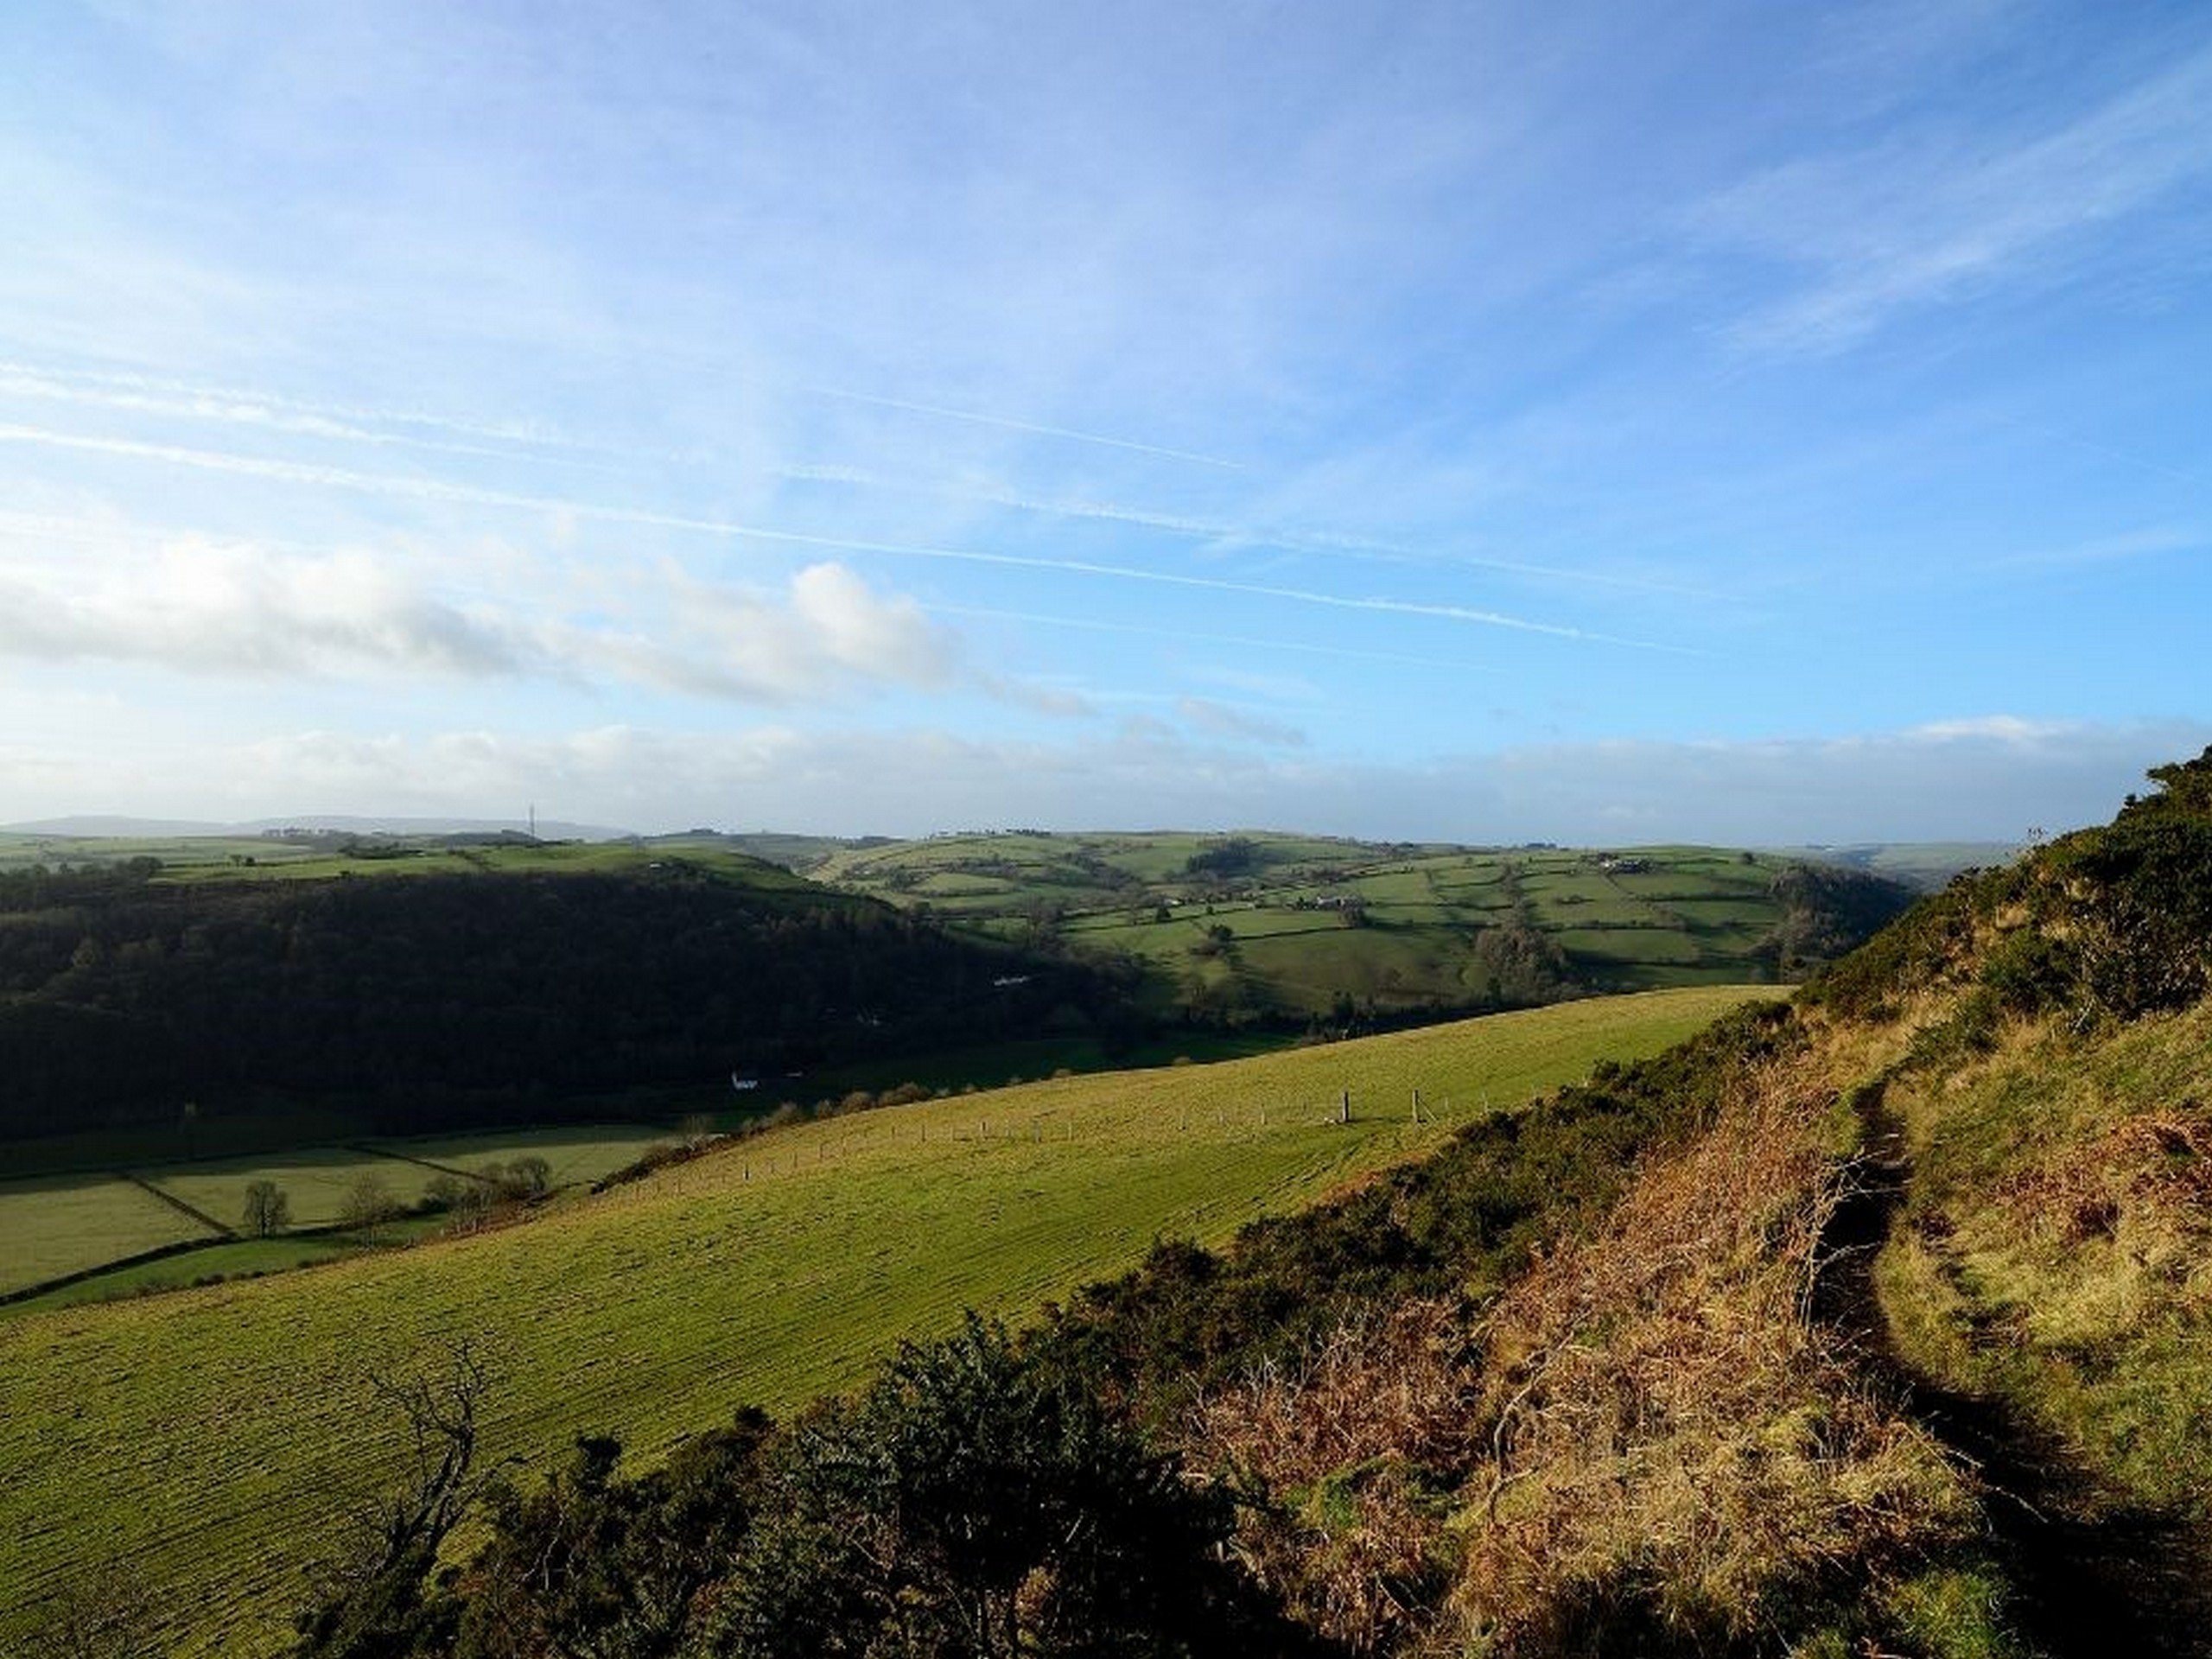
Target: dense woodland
x,y
437,999
1608,1375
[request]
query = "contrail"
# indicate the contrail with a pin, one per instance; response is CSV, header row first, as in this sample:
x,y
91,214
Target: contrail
x,y
535,436
273,412
258,414
1091,624
436,490
1327,544
1069,433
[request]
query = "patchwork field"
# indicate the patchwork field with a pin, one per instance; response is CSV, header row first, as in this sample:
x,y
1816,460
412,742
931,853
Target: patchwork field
x,y
316,1181
1257,924
56,1225
51,1227
207,1442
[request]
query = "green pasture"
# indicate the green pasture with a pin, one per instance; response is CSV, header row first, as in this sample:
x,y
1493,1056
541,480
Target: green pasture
x,y
1611,948
577,1154
316,1181
58,1226
234,1259
995,1064
52,1226
208,1441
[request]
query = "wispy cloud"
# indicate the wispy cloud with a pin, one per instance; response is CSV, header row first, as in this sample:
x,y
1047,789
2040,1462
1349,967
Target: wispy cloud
x,y
1201,636
1212,719
1929,218
2121,547
1226,533
118,389
1005,423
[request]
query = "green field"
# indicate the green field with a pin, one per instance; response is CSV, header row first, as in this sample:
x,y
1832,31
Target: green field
x,y
577,1154
1395,928
208,1440
316,1181
53,1226
242,1258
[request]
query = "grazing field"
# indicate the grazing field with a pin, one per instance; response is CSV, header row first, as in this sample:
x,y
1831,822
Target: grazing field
x,y
207,1442
56,1225
316,1181
577,1154
239,1258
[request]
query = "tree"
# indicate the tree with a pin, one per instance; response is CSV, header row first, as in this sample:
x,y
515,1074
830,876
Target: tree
x,y
267,1209
369,1203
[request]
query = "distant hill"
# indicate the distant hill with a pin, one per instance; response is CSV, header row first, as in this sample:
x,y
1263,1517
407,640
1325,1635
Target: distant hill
x,y
1924,865
98,827
1263,926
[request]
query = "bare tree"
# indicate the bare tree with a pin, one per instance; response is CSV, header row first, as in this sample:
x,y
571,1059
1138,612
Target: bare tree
x,y
371,1598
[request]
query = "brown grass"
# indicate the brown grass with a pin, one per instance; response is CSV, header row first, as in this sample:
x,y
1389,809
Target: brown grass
x,y
1674,1444
2153,1169
1353,1452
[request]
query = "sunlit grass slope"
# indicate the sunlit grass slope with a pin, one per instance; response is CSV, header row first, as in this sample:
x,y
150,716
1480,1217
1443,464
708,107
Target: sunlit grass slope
x,y
211,1440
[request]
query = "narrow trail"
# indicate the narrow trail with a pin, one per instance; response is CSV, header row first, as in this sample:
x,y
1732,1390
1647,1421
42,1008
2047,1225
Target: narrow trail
x,y
2092,1576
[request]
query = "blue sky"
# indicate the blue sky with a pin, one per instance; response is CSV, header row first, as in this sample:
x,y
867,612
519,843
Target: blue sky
x,y
1489,422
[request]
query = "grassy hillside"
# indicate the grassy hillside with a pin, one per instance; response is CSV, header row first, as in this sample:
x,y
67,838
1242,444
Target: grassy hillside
x,y
208,1440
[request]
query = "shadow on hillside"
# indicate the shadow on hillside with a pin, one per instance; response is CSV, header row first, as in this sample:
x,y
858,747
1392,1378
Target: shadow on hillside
x,y
2091,1574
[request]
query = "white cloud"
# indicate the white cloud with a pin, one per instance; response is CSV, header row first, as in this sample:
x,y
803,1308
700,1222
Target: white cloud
x,y
1996,728
1992,779
829,633
201,607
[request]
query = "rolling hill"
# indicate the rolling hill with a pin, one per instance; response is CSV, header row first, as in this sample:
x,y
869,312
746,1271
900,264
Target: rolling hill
x,y
1266,927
